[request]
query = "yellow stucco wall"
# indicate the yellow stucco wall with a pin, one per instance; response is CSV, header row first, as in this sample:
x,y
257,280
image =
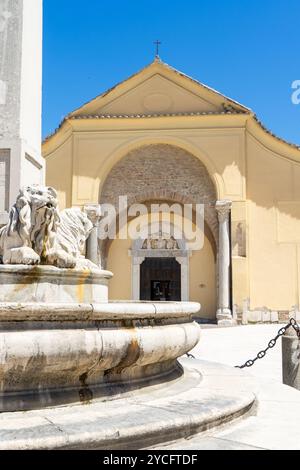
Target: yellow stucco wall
x,y
273,260
119,262
59,172
202,280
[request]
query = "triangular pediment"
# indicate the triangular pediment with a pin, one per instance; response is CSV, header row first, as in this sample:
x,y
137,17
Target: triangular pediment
x,y
158,89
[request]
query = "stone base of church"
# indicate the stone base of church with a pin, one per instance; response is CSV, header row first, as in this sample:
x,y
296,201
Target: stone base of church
x,y
245,315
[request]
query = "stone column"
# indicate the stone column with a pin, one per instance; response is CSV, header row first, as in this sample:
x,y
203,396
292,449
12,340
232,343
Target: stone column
x,y
93,211
224,314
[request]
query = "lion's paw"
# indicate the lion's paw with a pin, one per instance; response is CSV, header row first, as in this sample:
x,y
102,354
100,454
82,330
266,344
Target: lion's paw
x,y
24,255
65,261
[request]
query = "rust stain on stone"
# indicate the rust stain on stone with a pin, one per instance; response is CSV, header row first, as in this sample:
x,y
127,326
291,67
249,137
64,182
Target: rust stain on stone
x,y
80,293
130,357
132,353
81,286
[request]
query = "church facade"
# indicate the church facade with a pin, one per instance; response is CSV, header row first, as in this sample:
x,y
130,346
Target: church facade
x,y
161,137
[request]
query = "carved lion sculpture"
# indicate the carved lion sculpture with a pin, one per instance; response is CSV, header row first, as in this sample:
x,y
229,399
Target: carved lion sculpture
x,y
69,243
38,234
31,228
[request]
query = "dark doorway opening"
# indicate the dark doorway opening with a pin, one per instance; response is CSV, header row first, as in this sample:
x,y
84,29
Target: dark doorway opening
x,y
160,280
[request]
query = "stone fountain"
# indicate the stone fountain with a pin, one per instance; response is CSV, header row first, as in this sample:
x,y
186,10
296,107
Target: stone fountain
x,y
63,345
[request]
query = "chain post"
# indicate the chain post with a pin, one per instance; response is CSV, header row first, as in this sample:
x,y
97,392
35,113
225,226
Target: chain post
x,y
291,356
272,343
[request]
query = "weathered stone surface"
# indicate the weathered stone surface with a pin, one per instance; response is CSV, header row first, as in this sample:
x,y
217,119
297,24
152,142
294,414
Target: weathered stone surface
x,y
20,96
202,399
54,354
273,426
133,311
259,315
49,284
224,314
291,359
274,317
255,316
162,172
266,316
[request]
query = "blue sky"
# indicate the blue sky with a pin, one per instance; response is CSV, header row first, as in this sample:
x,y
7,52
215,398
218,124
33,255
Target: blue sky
x,y
248,50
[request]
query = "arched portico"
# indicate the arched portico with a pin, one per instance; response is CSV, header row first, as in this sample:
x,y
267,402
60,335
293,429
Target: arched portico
x,y
171,140
162,172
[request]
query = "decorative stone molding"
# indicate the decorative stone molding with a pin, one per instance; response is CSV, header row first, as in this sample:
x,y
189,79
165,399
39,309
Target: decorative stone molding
x,y
223,209
138,254
160,242
93,211
153,253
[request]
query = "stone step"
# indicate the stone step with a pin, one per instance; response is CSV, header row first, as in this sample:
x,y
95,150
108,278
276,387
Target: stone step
x,y
207,396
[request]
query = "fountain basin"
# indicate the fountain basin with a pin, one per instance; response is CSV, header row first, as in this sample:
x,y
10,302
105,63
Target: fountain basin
x,y
58,353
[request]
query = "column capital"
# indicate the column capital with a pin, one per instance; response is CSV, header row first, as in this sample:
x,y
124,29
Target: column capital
x,y
93,211
223,209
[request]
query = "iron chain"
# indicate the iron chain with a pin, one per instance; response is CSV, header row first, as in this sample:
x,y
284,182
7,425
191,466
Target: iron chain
x,y
272,343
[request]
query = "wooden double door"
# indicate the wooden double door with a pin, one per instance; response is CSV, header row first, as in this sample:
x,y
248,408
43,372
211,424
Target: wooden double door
x,y
160,280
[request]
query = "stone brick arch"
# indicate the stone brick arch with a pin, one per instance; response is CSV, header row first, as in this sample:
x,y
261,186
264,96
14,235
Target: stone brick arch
x,y
162,172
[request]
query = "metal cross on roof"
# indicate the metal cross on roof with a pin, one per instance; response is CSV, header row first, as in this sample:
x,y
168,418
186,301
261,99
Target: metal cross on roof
x,y
157,44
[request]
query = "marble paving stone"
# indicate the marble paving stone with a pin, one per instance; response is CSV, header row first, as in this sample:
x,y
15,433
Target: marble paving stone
x,y
209,443
234,346
272,434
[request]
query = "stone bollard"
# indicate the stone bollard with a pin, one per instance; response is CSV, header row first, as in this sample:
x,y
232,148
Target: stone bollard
x,y
291,358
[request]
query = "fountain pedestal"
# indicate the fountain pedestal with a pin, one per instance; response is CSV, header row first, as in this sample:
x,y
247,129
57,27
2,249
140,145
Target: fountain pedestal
x,y
48,284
